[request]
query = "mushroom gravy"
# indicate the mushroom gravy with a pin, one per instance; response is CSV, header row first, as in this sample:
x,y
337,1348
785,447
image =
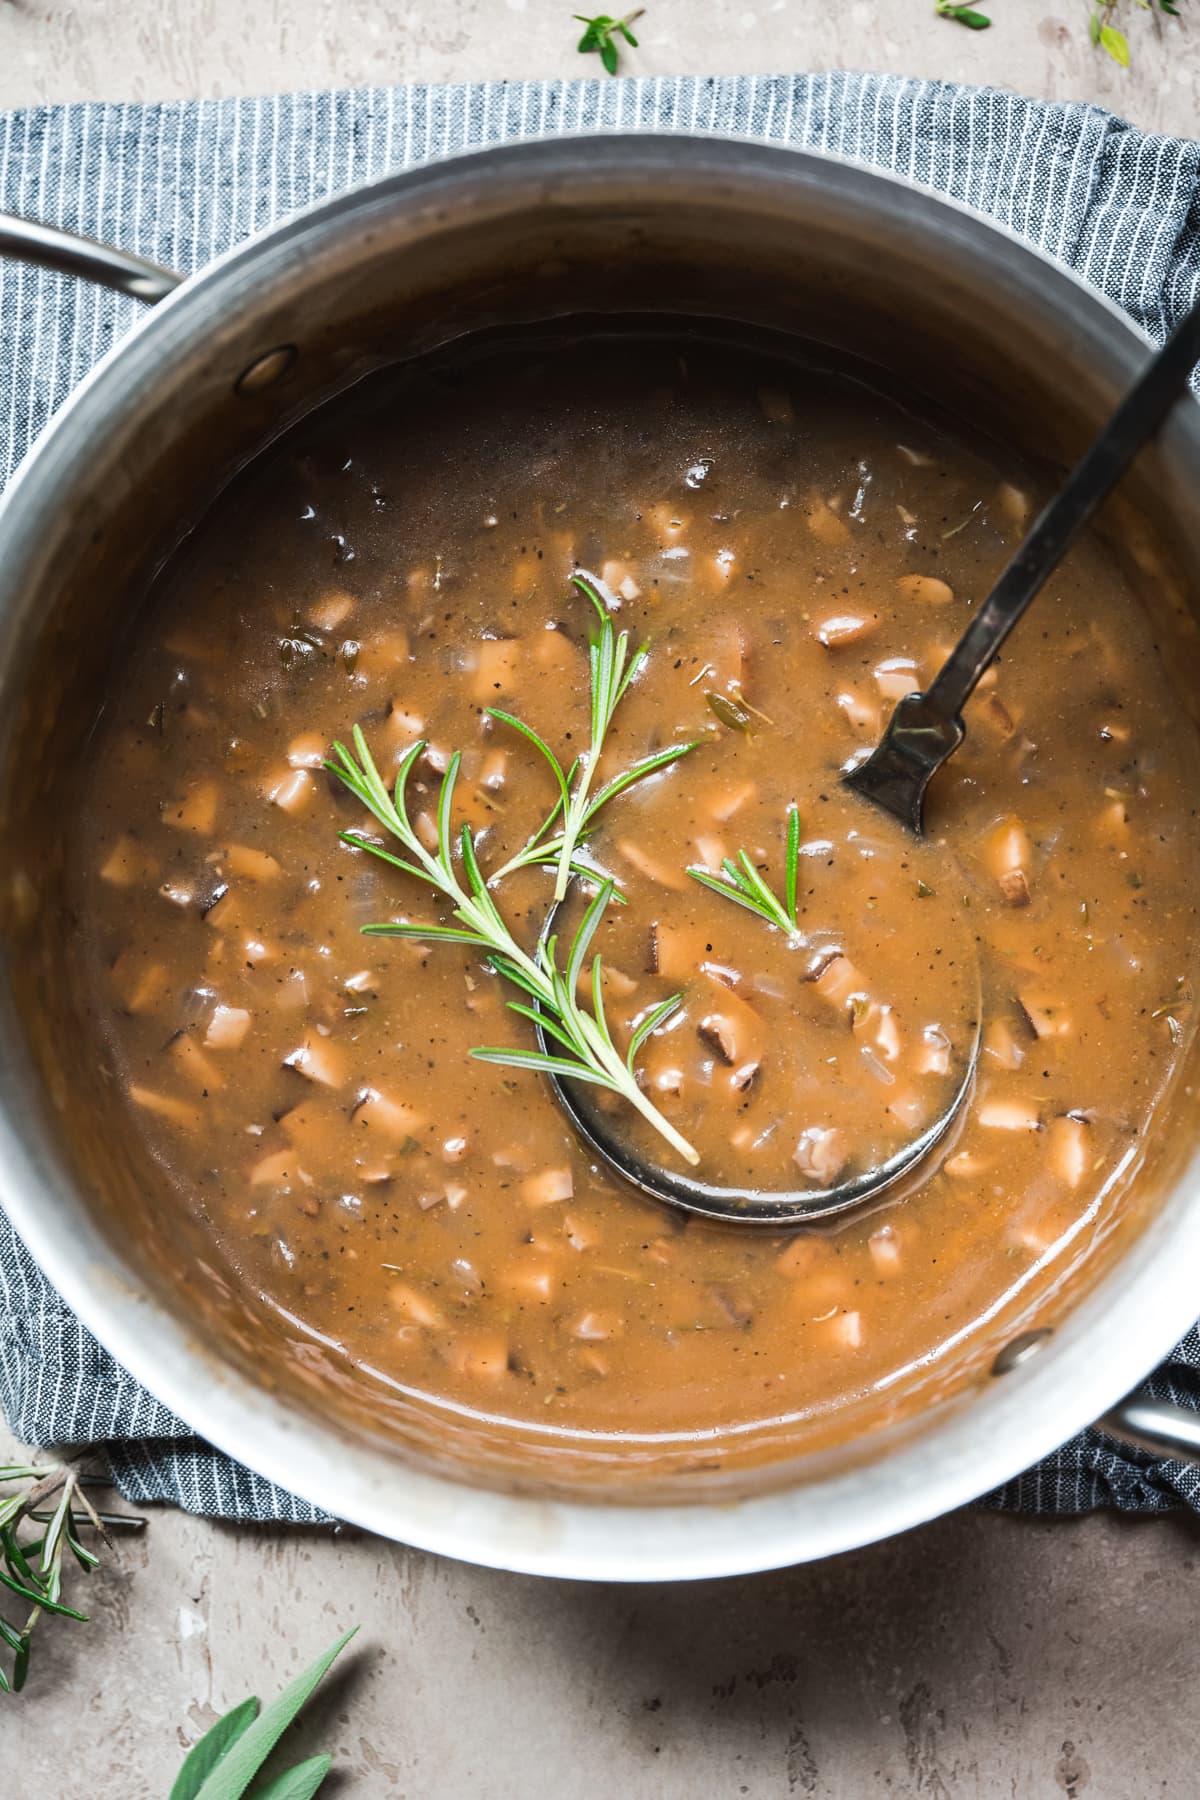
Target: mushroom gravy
x,y
797,552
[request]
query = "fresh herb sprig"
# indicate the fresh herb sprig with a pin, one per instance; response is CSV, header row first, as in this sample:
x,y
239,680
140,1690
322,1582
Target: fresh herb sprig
x,y
741,882
39,1523
612,669
222,1765
600,34
962,15
1106,36
589,1052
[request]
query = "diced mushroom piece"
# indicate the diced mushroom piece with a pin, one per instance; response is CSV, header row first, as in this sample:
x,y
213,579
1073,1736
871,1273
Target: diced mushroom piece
x,y
821,1153
846,1329
548,1187
456,1194
426,830
710,851
965,1165
993,713
1013,504
1000,1043
292,791
825,524
280,1169
731,1028
1112,821
250,863
306,751
227,1028
454,1149
926,590
554,652
884,1248
403,724
483,1357
166,1106
196,812
494,771
317,1059
804,1255
497,668
142,986
933,1054
840,629
997,1114
1008,857
888,1041
331,610
1048,1017
730,799
579,1232
595,1327
676,950
128,862
392,1119
199,1069
653,868
908,1109
256,950
896,677
415,1305
839,982
618,577
617,985
861,715
1069,1151
382,654
533,1280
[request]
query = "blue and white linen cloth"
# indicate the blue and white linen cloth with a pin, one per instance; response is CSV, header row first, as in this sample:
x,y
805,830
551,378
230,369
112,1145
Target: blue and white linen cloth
x,y
181,182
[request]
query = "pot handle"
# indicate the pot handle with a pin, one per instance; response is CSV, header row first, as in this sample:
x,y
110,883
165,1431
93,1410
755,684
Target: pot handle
x,y
1156,1426
70,254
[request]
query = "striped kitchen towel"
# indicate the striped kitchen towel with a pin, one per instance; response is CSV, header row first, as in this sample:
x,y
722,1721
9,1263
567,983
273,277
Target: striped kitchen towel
x,y
181,182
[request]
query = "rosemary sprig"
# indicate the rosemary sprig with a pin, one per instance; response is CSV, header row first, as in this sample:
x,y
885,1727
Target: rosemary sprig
x,y
741,882
222,1765
600,35
612,669
38,1525
585,1038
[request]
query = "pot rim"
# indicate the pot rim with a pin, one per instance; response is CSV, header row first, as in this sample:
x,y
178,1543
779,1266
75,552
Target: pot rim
x,y
1107,1343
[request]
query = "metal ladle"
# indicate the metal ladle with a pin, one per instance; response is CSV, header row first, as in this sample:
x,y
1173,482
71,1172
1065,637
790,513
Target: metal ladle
x,y
923,731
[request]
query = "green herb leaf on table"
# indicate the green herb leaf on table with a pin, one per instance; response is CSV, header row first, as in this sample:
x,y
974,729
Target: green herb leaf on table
x,y
39,1524
249,1738
600,34
591,1054
741,882
962,15
205,1754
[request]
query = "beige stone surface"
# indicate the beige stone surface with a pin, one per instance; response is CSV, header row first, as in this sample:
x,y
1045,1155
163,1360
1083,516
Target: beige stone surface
x,y
981,1658
978,1659
163,49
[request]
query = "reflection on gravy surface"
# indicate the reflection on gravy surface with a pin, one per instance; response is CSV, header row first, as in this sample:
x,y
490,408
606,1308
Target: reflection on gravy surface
x,y
797,552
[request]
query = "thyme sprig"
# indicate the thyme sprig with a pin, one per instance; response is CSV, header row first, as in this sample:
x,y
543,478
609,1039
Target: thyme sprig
x,y
600,34
585,1038
39,1523
612,669
741,882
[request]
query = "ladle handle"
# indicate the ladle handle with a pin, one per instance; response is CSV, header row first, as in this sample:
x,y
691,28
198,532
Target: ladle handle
x,y
1156,1426
1137,418
69,254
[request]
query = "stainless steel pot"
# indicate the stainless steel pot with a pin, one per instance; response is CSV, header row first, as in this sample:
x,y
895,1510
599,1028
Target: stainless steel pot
x,y
760,235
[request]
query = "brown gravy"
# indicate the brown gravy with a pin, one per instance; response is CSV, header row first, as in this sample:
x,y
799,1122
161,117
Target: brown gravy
x,y
804,550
